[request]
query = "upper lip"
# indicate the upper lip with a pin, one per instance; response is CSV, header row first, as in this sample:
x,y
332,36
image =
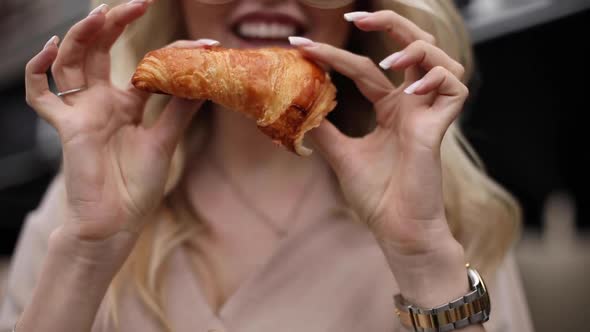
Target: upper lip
x,y
270,17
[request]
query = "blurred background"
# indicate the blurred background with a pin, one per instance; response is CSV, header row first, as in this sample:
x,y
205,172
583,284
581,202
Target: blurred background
x,y
524,119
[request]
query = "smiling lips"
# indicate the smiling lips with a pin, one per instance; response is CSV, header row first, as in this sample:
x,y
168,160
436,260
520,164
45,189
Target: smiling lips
x,y
265,30
259,27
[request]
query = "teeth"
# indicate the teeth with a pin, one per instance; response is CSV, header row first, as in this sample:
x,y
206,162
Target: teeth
x,y
274,30
265,30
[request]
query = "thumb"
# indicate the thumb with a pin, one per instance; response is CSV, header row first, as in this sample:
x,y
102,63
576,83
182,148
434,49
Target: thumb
x,y
173,122
331,143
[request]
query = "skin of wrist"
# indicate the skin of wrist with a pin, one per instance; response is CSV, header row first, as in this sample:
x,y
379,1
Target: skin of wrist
x,y
73,267
429,278
107,254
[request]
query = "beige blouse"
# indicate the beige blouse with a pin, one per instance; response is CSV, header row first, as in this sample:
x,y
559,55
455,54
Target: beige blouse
x,y
326,276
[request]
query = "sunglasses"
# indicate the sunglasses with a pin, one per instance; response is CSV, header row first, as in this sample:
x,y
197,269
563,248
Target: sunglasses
x,y
320,4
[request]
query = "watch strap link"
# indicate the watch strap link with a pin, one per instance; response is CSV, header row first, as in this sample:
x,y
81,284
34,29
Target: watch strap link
x,y
472,308
451,316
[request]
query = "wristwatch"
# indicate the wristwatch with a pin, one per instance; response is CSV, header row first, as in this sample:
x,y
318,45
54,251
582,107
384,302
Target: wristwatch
x,y
472,308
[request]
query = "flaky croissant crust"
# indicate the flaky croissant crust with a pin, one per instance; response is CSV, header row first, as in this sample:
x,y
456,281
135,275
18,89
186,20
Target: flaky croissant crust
x,y
285,93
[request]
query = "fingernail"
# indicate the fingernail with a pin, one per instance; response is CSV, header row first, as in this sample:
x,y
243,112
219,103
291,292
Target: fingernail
x,y
137,1
391,60
300,41
355,16
102,9
413,87
53,40
208,42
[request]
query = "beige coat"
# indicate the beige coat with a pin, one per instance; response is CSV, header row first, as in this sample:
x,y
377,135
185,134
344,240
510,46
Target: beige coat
x,y
326,276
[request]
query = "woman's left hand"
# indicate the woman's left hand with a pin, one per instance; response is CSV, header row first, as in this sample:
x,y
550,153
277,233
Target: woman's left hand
x,y
393,176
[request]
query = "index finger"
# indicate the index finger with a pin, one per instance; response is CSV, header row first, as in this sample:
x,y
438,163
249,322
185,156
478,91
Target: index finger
x,y
38,94
371,82
398,27
117,19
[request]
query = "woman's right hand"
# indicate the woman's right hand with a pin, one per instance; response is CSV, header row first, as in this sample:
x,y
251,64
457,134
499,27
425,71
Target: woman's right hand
x,y
115,169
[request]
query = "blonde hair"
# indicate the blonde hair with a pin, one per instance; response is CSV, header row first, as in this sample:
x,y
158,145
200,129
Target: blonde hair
x,y
482,216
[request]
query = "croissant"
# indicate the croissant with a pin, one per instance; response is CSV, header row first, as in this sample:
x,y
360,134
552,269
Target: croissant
x,y
285,93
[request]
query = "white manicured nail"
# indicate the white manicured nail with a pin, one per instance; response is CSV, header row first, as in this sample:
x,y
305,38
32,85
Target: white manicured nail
x,y
355,16
53,40
208,42
412,88
132,2
102,9
300,41
391,60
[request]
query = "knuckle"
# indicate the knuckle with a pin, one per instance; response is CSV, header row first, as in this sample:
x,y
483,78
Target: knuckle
x,y
56,68
429,38
386,13
419,47
118,22
393,17
464,90
30,100
420,44
460,69
31,65
440,71
365,64
390,17
29,68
